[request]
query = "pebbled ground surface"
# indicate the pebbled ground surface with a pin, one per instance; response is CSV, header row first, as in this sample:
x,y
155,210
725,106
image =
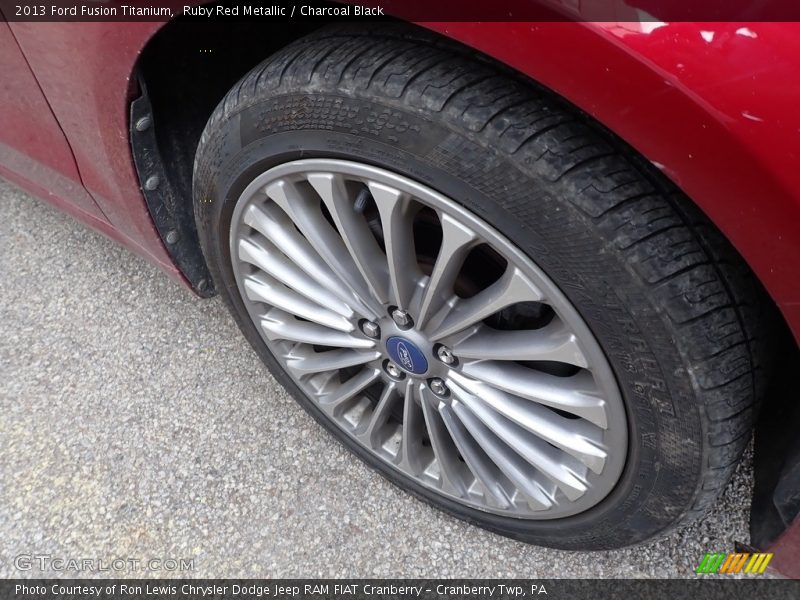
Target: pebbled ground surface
x,y
135,422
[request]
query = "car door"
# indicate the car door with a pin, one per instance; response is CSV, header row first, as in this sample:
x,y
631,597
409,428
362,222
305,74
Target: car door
x,y
33,150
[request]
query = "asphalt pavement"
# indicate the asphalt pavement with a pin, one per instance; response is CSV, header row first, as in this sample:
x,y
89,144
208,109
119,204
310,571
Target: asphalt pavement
x,y
136,424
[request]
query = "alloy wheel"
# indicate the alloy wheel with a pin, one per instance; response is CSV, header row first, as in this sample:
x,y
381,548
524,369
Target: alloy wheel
x,y
429,338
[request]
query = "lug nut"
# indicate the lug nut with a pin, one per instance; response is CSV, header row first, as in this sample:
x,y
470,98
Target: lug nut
x,y
446,355
393,370
402,319
438,387
370,329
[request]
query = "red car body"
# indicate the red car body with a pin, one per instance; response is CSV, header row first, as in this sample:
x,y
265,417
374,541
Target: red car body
x,y
713,105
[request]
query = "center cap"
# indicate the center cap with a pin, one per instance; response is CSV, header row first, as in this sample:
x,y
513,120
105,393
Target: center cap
x,y
407,355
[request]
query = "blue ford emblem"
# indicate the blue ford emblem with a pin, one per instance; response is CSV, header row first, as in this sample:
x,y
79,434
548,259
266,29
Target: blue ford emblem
x,y
407,355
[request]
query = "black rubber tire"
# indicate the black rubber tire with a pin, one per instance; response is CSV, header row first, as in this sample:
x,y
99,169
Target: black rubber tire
x,y
672,305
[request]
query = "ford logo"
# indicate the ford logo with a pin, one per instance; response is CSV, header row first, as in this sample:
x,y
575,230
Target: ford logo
x,y
406,355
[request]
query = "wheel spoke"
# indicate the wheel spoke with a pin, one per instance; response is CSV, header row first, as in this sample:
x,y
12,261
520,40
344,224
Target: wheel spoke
x,y
559,468
520,473
305,360
380,415
457,240
413,424
281,268
442,444
262,288
359,240
333,402
571,435
397,222
307,216
511,288
576,394
280,325
278,229
553,342
477,462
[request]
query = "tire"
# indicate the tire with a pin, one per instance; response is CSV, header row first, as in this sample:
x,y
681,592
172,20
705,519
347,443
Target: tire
x,y
670,304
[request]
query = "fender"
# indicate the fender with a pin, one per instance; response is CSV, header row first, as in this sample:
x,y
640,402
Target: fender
x,y
712,105
708,104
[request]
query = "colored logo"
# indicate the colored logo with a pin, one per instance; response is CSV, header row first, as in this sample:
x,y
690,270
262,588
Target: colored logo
x,y
407,355
739,562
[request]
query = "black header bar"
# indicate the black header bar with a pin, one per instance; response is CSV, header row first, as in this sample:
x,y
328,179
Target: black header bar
x,y
409,10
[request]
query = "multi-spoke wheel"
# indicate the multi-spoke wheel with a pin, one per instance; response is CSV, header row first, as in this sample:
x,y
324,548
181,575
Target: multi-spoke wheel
x,y
478,293
429,338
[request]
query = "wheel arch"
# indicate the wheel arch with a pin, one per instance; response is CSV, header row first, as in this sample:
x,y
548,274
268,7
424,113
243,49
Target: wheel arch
x,y
181,80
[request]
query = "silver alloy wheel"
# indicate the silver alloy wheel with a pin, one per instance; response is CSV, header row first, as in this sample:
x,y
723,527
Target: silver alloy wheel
x,y
429,338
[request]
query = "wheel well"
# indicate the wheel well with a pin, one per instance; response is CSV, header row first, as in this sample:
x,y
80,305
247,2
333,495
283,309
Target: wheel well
x,y
184,71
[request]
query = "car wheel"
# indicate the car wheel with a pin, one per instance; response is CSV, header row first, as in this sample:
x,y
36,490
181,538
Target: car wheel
x,y
477,290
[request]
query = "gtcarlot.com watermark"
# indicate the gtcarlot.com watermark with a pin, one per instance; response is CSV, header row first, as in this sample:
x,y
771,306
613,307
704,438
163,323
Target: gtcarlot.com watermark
x,y
48,562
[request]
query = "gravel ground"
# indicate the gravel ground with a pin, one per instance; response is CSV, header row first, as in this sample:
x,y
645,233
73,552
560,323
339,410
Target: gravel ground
x,y
136,422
